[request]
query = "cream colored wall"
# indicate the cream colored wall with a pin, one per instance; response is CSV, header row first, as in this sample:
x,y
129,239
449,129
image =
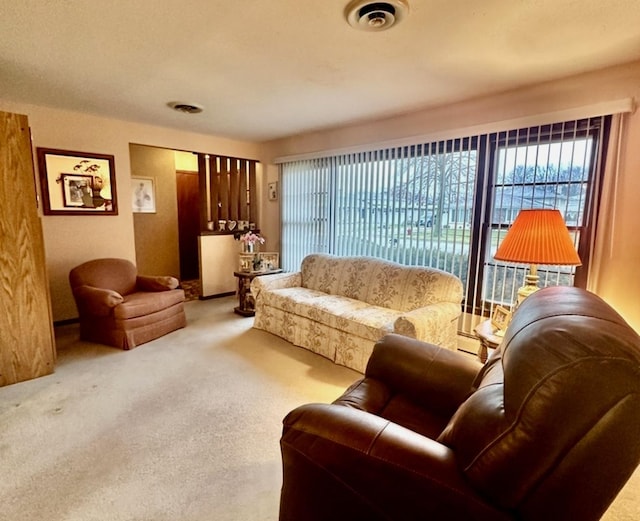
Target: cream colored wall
x,y
185,161
70,240
156,234
620,277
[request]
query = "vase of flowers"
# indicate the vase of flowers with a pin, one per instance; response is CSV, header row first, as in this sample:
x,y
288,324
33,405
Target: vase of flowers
x,y
250,241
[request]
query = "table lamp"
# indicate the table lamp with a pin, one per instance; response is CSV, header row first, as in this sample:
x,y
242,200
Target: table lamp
x,y
537,237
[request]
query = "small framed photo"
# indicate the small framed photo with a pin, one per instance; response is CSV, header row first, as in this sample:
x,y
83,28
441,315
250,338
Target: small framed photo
x,y
77,183
143,194
77,190
500,319
270,260
273,191
246,261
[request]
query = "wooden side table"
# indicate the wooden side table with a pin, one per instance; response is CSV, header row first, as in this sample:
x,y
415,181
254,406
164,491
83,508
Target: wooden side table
x,y
488,339
245,298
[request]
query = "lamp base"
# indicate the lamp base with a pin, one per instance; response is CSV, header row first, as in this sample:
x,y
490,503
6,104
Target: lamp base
x,y
530,285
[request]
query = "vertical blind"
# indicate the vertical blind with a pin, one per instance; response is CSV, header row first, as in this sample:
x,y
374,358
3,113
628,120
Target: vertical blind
x,y
446,204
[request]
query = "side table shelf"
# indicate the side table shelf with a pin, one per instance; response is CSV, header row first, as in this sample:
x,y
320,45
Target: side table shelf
x,y
245,298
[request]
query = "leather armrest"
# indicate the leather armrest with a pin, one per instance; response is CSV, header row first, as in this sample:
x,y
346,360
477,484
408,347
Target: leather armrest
x,y
156,283
399,472
428,374
96,301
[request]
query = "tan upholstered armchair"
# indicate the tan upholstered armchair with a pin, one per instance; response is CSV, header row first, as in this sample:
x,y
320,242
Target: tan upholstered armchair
x,y
120,308
548,428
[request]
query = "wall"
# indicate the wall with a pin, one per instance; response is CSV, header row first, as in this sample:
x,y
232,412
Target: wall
x,y
218,261
156,234
619,277
70,240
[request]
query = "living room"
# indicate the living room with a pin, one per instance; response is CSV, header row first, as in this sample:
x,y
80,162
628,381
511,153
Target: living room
x,y
72,126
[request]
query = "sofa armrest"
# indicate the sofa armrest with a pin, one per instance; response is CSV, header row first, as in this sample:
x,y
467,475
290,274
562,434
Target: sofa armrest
x,y
337,458
426,323
156,283
430,375
275,281
96,301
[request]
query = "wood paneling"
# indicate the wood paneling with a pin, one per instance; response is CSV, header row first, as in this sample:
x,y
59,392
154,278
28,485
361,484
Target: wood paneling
x,y
27,347
232,189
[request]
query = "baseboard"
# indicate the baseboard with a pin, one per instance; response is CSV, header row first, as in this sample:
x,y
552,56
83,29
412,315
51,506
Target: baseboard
x,y
217,295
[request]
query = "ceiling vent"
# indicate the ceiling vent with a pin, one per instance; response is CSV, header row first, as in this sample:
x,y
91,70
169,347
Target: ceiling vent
x,y
186,108
375,16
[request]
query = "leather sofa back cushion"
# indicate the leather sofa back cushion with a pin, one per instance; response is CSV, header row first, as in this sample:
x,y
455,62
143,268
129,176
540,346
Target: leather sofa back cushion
x,y
526,396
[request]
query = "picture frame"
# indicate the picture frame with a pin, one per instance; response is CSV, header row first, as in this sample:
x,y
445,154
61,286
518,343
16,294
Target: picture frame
x,y
270,260
246,262
77,183
76,190
273,191
500,320
143,194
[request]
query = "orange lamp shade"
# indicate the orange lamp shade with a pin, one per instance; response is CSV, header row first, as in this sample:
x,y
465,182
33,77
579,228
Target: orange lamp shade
x,y
538,237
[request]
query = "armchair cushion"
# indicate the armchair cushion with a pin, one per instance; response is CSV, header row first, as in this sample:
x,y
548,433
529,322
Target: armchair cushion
x,y
141,303
429,375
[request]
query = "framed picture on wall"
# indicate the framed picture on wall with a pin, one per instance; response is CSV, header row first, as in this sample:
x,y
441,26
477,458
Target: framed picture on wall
x,y
77,183
143,194
273,191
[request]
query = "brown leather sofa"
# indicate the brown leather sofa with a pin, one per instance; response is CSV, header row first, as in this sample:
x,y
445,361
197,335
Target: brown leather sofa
x,y
120,308
547,429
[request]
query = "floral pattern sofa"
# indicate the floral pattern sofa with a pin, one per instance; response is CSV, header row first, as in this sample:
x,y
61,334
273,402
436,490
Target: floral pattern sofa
x,y
339,307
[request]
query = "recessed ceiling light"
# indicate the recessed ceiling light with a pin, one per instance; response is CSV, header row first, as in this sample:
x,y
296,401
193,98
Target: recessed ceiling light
x,y
375,16
186,108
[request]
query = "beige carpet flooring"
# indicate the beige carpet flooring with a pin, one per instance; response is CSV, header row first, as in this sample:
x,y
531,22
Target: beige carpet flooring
x,y
182,428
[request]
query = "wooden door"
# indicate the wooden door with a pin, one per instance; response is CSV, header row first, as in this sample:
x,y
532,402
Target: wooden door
x,y
27,345
188,189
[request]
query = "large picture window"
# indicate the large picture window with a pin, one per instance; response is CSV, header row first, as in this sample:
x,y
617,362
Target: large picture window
x,y
447,204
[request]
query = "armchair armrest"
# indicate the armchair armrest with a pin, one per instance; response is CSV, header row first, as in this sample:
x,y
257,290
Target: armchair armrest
x,y
430,375
338,458
275,281
156,283
425,322
96,301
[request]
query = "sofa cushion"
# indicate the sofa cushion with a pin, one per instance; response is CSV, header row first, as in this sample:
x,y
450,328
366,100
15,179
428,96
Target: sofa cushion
x,y
379,282
289,299
343,313
371,322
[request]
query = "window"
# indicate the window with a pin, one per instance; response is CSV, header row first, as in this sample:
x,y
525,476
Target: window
x,y
446,204
541,167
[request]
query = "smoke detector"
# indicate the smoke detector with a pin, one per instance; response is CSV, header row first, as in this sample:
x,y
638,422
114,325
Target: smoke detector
x,y
375,16
186,108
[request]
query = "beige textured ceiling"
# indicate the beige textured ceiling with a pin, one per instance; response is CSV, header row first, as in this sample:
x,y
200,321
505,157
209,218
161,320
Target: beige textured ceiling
x,y
265,69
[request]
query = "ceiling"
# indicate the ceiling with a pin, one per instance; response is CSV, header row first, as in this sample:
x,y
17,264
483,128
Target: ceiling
x,y
265,69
